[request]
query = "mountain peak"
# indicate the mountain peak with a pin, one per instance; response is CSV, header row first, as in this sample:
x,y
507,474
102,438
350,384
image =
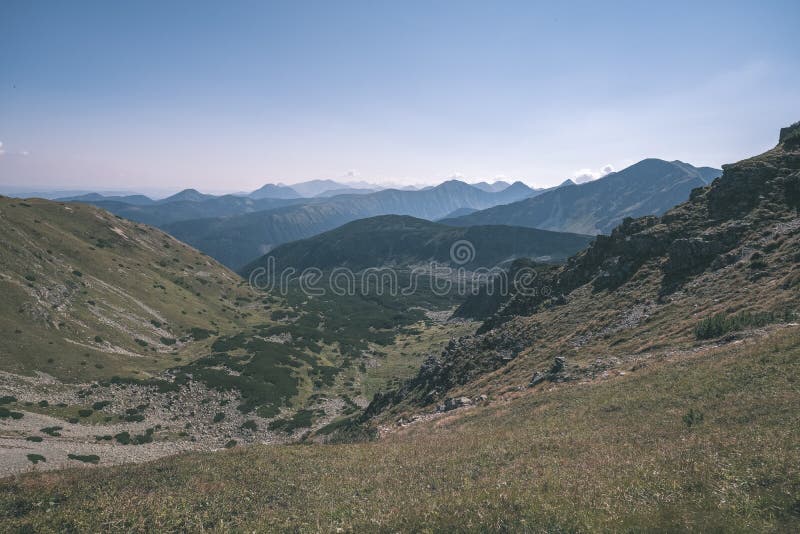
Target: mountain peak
x,y
274,191
790,136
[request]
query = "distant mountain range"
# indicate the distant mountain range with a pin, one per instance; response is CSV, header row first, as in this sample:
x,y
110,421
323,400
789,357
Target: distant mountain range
x,y
492,187
236,240
162,213
234,229
274,191
395,240
91,198
649,187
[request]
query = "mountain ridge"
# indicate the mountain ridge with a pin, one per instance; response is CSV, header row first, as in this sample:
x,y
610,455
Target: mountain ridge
x,y
398,240
648,187
239,239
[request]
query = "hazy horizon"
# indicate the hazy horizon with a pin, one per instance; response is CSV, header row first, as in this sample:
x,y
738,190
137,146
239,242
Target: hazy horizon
x,y
153,97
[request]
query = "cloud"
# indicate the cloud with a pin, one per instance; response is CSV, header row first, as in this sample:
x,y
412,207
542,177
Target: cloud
x,y
587,175
2,151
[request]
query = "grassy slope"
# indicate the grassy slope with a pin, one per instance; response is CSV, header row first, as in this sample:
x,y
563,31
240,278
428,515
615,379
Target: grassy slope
x,y
610,454
73,272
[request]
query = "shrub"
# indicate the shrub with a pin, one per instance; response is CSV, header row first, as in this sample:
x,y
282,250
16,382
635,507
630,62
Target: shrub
x,y
250,425
36,458
123,438
86,458
722,323
301,419
35,439
99,405
44,404
231,444
693,417
5,413
219,416
7,399
51,430
85,412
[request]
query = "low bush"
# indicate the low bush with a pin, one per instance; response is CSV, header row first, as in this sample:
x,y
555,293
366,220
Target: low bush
x,y
86,458
723,323
6,413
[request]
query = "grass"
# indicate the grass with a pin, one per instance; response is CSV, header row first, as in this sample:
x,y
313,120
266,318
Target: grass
x,y
615,455
722,323
93,306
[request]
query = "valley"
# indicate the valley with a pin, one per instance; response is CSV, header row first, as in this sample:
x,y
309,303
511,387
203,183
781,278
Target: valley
x,y
648,377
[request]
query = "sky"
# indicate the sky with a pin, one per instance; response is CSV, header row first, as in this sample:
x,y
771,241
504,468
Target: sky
x,y
227,96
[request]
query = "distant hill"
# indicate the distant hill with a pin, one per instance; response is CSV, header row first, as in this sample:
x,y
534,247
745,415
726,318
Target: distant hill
x,y
313,188
274,191
460,212
395,240
187,195
162,212
345,191
237,240
649,187
492,187
136,200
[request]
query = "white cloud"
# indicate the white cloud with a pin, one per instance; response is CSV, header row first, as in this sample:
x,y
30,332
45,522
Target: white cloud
x,y
587,175
2,151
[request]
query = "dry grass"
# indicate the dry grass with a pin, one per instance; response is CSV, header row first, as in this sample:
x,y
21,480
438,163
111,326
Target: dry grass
x,y
611,455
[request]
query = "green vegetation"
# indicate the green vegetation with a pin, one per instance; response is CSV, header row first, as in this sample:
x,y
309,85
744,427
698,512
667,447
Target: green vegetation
x,y
125,281
611,455
722,323
85,458
36,458
693,417
301,419
5,413
402,241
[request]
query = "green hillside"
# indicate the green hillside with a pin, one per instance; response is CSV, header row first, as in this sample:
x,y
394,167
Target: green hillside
x,y
90,295
402,241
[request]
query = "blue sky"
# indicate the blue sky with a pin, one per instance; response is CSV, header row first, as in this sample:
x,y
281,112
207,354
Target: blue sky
x,y
166,95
